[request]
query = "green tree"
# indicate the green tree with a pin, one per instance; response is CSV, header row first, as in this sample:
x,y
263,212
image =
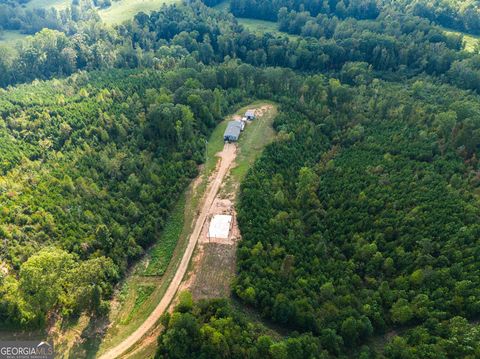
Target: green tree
x,y
43,277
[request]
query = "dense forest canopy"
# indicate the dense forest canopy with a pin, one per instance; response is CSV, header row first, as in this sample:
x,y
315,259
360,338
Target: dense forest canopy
x,y
359,224
213,329
267,9
462,15
91,165
348,233
395,43
29,21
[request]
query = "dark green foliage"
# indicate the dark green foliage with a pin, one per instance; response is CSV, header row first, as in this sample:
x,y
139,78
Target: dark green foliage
x,y
455,14
363,218
395,42
93,165
267,9
14,17
454,338
359,222
213,329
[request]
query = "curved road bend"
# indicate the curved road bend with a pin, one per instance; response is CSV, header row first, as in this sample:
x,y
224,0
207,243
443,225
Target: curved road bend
x,y
227,156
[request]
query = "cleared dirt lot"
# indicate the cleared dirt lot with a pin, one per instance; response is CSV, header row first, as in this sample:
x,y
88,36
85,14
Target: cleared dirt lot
x,y
215,273
213,266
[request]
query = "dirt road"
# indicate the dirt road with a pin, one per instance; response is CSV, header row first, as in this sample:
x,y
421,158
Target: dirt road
x,y
227,156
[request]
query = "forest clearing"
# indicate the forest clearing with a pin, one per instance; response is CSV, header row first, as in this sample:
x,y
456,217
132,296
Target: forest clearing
x,y
126,9
117,12
114,14
257,134
470,41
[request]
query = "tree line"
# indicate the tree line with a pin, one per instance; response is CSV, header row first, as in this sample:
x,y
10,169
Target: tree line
x,y
30,21
267,10
214,329
454,14
395,45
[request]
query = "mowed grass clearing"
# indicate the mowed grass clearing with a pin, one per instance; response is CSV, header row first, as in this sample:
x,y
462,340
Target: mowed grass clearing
x,y
470,42
10,37
118,12
258,134
257,26
260,27
123,10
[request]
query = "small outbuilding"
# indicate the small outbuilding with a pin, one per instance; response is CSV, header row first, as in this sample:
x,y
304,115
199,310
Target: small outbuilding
x,y
232,133
250,115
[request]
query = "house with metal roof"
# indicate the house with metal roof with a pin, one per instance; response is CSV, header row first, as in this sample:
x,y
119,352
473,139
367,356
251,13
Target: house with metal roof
x,y
232,133
250,114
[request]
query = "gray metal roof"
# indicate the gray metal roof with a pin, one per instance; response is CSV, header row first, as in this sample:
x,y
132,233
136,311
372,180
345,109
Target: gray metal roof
x,y
250,113
233,129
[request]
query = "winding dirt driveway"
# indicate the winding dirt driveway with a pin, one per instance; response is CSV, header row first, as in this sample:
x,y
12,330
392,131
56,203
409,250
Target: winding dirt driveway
x,y
227,156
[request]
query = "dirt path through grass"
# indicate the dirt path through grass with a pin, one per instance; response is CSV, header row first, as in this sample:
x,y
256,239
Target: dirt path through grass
x,y
227,156
239,157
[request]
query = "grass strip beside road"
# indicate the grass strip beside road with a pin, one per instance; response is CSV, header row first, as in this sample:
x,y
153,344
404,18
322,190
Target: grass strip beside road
x,y
118,331
161,252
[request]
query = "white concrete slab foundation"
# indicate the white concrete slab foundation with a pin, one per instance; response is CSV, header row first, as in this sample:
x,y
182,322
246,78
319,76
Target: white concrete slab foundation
x,y
220,226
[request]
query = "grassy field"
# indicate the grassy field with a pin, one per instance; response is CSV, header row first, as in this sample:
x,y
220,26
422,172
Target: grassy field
x,y
470,41
119,11
10,37
257,26
42,4
256,136
126,9
260,27
161,253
